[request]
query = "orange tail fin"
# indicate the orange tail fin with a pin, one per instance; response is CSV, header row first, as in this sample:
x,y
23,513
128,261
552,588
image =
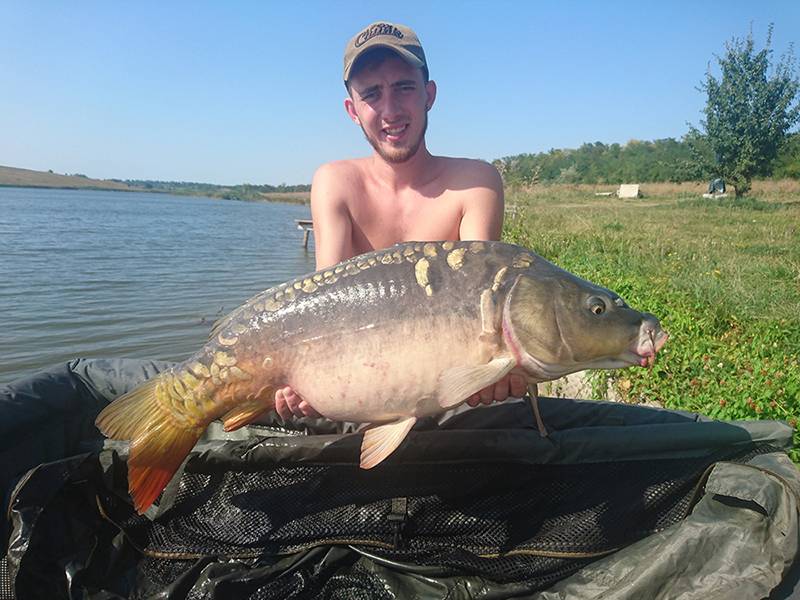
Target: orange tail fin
x,y
159,444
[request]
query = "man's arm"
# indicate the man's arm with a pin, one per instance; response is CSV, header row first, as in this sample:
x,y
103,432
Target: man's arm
x,y
333,225
482,216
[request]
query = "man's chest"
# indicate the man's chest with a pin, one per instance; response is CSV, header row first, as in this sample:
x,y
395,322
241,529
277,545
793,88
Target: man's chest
x,y
386,221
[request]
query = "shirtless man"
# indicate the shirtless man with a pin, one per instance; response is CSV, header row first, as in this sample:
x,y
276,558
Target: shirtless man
x,y
401,192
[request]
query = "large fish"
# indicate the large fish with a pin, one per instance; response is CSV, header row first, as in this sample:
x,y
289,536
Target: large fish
x,y
385,338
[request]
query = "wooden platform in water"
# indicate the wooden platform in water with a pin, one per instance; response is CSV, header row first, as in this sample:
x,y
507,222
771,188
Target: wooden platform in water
x,y
307,227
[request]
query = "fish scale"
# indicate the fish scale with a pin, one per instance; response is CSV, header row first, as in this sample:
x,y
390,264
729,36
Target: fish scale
x,y
383,339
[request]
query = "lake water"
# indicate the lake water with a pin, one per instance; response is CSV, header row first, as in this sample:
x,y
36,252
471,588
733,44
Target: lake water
x,y
118,274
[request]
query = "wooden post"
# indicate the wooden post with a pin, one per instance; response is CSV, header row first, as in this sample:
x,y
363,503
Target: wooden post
x,y
307,227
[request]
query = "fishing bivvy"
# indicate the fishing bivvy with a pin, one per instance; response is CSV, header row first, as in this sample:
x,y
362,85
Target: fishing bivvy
x,y
618,501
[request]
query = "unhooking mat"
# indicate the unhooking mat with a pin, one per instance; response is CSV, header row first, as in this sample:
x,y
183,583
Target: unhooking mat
x,y
617,502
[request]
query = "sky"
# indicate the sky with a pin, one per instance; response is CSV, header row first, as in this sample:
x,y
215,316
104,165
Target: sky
x,y
251,92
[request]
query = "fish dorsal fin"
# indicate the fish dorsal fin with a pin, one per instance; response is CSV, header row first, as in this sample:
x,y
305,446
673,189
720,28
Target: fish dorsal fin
x,y
380,441
222,323
459,383
218,326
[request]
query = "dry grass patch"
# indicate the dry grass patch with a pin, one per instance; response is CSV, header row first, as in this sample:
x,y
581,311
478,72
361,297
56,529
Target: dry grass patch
x,y
13,177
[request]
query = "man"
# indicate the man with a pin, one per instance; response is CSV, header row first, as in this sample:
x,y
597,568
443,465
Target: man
x,y
401,192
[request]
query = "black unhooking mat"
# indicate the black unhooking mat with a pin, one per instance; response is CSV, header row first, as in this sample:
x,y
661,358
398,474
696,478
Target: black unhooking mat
x,y
617,502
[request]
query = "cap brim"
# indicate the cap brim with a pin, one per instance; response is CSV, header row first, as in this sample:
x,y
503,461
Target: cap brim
x,y
406,55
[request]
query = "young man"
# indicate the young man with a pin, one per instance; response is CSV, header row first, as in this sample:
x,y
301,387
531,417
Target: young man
x,y
401,192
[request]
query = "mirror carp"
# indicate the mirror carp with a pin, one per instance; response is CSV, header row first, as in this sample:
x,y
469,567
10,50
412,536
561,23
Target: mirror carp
x,y
382,339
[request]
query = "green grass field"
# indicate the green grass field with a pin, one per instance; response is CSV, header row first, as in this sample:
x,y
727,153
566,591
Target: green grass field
x,y
722,275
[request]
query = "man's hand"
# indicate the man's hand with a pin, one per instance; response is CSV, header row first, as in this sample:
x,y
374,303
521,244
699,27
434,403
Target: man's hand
x,y
510,386
289,403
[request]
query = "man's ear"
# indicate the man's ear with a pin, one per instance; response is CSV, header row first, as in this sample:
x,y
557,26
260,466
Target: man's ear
x,y
350,107
430,89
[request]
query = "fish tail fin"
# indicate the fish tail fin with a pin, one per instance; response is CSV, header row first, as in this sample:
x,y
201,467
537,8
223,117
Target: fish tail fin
x,y
159,441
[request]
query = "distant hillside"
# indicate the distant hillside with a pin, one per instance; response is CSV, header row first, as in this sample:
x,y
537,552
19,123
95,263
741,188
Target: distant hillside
x,y
298,194
244,191
11,176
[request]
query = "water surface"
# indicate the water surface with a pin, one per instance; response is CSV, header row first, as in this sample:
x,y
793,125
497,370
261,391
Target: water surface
x,y
120,274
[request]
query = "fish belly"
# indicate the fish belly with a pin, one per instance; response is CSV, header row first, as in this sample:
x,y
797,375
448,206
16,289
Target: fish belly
x,y
385,371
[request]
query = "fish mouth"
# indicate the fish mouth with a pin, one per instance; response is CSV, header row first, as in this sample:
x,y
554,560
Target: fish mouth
x,y
643,360
648,344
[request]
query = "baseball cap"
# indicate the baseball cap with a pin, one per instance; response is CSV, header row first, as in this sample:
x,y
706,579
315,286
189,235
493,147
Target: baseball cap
x,y
399,38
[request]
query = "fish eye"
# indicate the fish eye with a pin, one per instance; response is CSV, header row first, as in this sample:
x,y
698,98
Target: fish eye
x,y
597,305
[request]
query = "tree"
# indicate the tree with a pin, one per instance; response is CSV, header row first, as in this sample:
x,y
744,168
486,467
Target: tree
x,y
787,163
748,113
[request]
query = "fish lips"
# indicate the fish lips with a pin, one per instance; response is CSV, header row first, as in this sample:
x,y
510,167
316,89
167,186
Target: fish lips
x,y
646,347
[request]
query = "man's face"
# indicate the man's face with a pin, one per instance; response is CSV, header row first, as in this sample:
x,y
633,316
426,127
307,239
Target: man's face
x,y
390,102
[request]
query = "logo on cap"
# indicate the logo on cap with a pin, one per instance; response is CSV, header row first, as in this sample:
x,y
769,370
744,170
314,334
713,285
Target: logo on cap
x,y
376,30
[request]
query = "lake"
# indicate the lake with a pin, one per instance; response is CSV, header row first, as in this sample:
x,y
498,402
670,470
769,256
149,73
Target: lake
x,y
117,274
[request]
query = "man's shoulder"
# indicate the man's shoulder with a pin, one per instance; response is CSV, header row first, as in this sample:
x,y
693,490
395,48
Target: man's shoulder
x,y
471,173
335,182
466,163
339,169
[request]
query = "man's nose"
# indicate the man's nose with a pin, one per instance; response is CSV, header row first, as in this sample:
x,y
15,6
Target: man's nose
x,y
392,106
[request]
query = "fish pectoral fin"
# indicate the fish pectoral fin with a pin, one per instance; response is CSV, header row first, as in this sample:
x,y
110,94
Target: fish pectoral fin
x,y
459,383
491,334
490,317
245,414
380,441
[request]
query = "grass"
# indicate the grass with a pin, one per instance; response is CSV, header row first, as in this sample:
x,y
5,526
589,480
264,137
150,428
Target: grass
x,y
722,275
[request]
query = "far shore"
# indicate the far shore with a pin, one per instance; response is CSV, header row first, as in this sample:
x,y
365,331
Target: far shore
x,y
27,178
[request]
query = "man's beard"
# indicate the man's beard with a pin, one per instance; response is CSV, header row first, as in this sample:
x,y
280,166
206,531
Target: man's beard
x,y
397,155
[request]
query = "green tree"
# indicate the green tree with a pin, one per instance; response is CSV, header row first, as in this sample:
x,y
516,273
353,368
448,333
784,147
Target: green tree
x,y
787,163
749,111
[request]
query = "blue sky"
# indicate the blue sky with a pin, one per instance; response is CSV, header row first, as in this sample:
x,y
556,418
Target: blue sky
x,y
251,91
